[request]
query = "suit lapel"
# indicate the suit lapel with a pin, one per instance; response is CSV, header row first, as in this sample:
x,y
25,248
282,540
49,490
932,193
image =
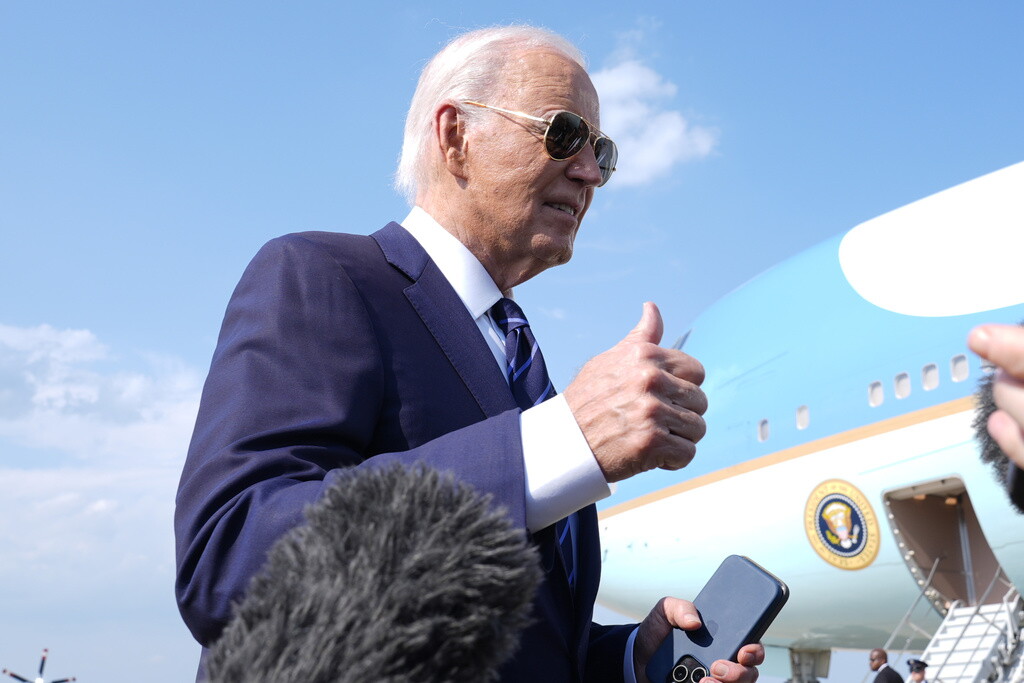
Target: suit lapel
x,y
444,314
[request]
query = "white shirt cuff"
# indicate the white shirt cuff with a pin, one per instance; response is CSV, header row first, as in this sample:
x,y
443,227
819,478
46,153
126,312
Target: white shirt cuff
x,y
562,475
628,674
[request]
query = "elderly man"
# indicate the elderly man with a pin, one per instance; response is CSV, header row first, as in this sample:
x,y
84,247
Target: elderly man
x,y
342,351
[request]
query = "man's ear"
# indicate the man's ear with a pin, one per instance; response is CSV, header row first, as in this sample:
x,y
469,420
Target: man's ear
x,y
451,139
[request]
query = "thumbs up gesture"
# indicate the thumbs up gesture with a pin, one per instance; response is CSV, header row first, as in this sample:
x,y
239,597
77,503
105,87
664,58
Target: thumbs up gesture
x,y
639,405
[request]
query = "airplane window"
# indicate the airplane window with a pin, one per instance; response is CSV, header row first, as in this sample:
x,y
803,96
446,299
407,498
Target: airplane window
x,y
901,385
958,368
929,377
762,430
803,417
876,394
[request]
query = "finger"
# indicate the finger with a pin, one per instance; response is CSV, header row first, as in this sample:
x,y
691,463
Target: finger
x,y
681,613
751,655
687,396
731,672
661,449
672,443
681,422
681,388
1000,344
1008,395
650,328
668,612
672,405
1008,434
677,365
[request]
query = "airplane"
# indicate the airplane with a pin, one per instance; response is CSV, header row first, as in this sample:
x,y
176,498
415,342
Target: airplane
x,y
39,678
839,451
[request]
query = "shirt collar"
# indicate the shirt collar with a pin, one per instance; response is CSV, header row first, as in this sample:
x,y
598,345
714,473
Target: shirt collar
x,y
460,267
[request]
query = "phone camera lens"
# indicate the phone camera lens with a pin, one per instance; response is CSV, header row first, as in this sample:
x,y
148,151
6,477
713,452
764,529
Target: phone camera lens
x,y
680,674
698,673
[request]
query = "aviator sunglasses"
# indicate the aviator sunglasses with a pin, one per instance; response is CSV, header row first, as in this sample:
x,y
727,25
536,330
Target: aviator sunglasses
x,y
566,134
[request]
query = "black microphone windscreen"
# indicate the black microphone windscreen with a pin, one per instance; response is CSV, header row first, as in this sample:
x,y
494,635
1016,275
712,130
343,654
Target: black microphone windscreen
x,y
399,574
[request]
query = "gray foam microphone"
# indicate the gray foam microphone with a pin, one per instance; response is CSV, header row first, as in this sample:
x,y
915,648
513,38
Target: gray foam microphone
x,y
399,574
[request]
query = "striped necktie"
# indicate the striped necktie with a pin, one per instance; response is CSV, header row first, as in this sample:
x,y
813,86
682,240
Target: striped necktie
x,y
528,378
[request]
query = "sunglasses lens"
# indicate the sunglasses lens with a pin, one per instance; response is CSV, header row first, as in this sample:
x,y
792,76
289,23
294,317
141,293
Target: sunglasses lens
x,y
566,136
567,133
607,155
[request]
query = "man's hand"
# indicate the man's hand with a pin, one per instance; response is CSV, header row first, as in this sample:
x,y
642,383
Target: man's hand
x,y
639,405
658,625
1003,345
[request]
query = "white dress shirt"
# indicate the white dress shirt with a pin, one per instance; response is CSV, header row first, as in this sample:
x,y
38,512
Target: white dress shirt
x,y
562,475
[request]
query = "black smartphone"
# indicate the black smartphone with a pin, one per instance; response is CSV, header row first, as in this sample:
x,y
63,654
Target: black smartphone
x,y
736,606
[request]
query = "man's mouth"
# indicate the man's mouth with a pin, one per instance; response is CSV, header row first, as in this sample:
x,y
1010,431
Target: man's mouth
x,y
563,207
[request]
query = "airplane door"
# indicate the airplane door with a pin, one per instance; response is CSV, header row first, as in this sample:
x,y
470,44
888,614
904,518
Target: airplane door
x,y
943,545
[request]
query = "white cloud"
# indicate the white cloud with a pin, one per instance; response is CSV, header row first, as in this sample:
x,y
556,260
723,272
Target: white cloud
x,y
53,397
652,138
90,454
79,537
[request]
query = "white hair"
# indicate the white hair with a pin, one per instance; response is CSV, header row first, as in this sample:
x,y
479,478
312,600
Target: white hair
x,y
470,67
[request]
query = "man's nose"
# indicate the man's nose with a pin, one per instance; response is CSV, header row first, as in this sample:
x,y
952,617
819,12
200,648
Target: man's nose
x,y
583,167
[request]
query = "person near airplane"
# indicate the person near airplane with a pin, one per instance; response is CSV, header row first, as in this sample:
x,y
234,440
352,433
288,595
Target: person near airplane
x,y
917,672
342,351
878,660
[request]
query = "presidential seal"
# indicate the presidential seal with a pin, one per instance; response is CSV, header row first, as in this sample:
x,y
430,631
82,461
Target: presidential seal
x,y
841,525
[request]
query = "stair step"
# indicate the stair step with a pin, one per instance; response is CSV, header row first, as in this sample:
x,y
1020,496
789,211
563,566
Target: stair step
x,y
975,619
960,658
973,627
964,648
990,607
966,642
978,619
950,672
974,631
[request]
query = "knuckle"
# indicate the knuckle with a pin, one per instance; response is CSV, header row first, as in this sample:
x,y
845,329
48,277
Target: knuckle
x,y
697,371
697,400
647,440
649,409
649,377
700,428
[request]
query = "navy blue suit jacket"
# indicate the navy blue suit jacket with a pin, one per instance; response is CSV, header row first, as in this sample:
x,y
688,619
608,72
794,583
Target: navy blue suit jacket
x,y
345,351
888,675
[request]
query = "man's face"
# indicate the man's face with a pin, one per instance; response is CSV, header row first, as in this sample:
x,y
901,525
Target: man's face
x,y
875,660
525,208
917,676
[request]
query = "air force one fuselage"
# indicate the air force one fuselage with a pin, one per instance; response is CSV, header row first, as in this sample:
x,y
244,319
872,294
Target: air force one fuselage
x,y
839,452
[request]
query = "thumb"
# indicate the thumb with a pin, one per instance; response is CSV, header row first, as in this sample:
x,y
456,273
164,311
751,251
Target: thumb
x,y
650,328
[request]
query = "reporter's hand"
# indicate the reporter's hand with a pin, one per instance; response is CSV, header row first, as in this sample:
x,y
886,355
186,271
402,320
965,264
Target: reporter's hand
x,y
673,612
1003,345
639,405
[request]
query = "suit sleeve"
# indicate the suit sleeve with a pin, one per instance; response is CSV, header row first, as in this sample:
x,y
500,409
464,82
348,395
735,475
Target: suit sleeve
x,y
606,653
294,394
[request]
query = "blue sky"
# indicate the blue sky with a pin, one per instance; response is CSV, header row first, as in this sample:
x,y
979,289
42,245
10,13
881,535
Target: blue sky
x,y
149,149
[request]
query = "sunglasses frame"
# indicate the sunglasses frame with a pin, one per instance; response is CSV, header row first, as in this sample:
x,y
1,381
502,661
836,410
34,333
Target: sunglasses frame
x,y
595,133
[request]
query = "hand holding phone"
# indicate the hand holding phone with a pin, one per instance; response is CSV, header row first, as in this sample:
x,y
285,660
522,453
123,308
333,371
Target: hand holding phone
x,y
736,606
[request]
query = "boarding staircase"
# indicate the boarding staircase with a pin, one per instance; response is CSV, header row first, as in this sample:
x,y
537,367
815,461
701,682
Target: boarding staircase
x,y
979,643
975,643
